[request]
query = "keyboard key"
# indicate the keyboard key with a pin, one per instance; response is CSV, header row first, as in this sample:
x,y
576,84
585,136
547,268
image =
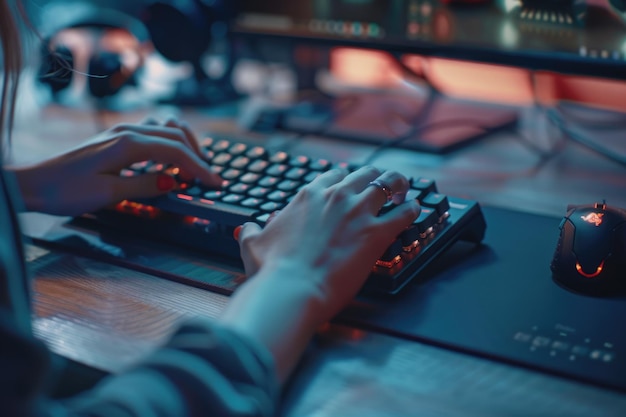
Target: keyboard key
x,y
437,201
221,158
391,255
299,161
207,142
214,194
251,202
320,165
217,169
220,146
258,166
138,166
296,173
279,157
426,185
271,206
155,168
240,162
231,174
311,176
237,149
278,196
288,185
259,192
195,191
256,152
277,170
426,220
239,188
269,181
249,178
233,198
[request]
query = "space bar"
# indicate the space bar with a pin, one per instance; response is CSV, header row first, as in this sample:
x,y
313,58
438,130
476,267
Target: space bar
x,y
215,211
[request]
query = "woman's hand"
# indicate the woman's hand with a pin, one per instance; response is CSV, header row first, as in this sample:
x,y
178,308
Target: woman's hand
x,y
331,233
312,258
88,178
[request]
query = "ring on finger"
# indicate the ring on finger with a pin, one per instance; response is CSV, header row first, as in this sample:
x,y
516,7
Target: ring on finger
x,y
383,187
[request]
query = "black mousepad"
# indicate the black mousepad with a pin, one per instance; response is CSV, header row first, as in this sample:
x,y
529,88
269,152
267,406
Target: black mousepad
x,y
498,300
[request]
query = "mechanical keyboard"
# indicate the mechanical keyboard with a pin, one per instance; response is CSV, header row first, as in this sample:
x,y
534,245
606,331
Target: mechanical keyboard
x,y
257,183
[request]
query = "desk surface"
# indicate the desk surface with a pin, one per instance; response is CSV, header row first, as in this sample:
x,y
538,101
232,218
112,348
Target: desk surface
x,y
111,318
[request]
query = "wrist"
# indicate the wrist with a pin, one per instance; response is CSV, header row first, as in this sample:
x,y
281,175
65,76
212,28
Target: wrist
x,y
287,282
26,185
279,308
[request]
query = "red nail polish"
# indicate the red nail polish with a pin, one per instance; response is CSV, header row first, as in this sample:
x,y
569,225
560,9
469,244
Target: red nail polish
x,y
165,182
236,232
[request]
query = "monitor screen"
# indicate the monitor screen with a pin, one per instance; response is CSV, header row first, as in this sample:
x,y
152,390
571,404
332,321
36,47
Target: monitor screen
x,y
586,37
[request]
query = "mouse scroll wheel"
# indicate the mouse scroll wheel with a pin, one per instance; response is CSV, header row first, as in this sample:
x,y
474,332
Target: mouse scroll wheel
x,y
600,206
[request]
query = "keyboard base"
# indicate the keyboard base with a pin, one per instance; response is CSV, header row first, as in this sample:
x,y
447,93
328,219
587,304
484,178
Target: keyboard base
x,y
466,222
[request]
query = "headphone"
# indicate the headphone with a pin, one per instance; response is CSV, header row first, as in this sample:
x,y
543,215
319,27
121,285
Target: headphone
x,y
180,31
103,47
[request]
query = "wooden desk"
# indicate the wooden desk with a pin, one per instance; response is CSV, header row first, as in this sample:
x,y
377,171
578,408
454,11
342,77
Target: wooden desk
x,y
110,318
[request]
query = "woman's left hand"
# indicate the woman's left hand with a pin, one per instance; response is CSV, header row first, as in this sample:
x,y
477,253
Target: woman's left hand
x,y
88,178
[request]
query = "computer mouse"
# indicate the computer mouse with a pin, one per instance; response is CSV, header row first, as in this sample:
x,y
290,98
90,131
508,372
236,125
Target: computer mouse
x,y
590,256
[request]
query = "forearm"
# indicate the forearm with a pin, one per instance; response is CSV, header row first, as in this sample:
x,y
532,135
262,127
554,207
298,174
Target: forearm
x,y
25,177
281,311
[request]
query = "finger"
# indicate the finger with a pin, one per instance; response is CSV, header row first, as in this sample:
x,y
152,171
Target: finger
x,y
149,120
166,132
246,232
140,186
359,179
173,130
272,217
389,187
398,219
192,139
138,147
329,178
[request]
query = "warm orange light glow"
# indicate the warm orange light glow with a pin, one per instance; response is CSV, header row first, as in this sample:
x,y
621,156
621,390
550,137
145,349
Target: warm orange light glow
x,y
593,274
137,209
593,218
184,197
364,67
389,264
411,246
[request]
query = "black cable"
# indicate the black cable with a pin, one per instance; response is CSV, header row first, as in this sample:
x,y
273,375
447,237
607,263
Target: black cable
x,y
557,118
618,121
420,129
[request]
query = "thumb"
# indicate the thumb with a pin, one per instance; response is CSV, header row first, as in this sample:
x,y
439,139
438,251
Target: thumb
x,y
245,234
142,186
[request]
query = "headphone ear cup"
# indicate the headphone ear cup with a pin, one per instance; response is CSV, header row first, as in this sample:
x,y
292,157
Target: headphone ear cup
x,y
57,68
106,75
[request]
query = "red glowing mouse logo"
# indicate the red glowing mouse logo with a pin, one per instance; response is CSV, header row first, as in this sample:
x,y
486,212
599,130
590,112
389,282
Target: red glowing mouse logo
x,y
593,218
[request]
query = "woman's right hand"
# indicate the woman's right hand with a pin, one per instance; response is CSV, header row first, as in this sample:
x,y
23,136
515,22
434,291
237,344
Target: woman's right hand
x,y
313,257
331,234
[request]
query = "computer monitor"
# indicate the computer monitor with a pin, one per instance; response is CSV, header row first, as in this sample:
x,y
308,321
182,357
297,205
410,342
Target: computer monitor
x,y
585,37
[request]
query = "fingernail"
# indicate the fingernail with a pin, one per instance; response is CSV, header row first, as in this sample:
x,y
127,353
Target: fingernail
x,y
236,232
272,216
165,182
